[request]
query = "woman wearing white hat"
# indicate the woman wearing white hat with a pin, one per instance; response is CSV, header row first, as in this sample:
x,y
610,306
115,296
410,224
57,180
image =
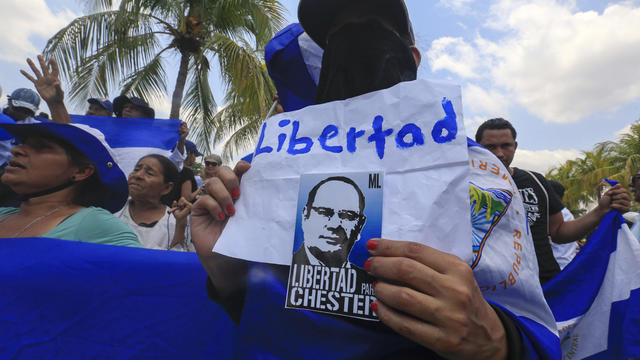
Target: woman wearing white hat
x,y
70,185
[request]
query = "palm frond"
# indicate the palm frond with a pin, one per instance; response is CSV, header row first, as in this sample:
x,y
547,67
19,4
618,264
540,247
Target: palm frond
x,y
149,80
199,105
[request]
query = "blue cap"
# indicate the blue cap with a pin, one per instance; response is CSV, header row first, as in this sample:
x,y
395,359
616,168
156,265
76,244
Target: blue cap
x,y
25,98
105,103
191,147
91,143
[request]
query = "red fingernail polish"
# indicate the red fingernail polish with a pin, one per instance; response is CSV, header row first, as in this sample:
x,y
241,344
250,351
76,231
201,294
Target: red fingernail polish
x,y
372,244
235,193
221,216
374,285
374,307
367,265
231,210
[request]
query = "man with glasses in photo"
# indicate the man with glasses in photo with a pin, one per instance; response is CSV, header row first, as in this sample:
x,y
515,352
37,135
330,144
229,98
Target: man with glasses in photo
x,y
331,222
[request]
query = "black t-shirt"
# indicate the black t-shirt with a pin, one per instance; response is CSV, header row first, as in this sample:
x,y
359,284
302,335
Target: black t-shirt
x,y
535,203
185,175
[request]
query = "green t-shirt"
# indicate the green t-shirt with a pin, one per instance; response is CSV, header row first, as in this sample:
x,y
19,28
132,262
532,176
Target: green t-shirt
x,y
94,225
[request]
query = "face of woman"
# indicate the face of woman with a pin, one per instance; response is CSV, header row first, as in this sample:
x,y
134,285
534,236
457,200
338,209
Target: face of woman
x,y
38,164
146,181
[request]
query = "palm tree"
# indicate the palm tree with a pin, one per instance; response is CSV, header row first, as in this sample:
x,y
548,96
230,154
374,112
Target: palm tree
x,y
627,153
127,48
582,177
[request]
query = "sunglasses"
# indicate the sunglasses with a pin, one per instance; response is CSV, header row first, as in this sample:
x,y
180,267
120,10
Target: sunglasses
x,y
210,163
634,179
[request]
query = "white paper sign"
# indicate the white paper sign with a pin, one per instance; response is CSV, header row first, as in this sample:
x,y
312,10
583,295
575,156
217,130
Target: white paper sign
x,y
413,132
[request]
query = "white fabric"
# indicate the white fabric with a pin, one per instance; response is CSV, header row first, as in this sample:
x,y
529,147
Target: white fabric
x,y
635,230
198,180
312,54
507,268
177,158
128,156
564,253
157,237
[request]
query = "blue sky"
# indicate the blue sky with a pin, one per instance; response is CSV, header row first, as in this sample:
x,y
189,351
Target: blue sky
x,y
564,72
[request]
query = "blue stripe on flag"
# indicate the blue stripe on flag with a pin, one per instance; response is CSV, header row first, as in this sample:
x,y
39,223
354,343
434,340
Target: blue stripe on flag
x,y
547,344
624,330
124,133
581,279
74,300
288,69
4,119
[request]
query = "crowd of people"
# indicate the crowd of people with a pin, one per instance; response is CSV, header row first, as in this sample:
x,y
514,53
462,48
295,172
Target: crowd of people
x,y
62,180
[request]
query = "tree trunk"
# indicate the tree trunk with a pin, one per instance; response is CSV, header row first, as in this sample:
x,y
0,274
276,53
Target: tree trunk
x,y
178,92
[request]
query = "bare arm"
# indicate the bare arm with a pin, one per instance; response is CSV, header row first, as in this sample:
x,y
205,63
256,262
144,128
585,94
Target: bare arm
x,y
180,210
183,131
563,232
48,85
185,191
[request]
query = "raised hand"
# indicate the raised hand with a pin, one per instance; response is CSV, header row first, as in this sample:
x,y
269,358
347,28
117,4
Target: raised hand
x,y
180,209
214,206
47,82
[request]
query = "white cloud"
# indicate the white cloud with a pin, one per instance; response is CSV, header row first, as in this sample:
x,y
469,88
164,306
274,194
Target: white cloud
x,y
161,103
459,6
481,105
491,102
455,55
625,130
543,160
24,20
471,124
559,63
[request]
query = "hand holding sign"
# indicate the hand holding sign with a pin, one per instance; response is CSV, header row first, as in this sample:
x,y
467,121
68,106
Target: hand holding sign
x,y
448,312
210,213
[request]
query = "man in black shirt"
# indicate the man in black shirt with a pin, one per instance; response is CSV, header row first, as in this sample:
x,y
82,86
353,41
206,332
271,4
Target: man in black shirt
x,y
541,203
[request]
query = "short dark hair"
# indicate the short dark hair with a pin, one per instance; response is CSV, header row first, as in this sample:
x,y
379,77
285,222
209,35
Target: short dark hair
x,y
495,124
170,173
88,192
314,190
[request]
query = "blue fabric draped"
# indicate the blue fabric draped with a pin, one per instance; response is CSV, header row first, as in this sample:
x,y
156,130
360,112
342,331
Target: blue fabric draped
x,y
124,133
288,69
596,298
6,120
72,300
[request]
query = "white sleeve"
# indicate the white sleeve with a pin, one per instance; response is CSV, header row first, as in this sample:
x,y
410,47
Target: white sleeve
x,y
177,158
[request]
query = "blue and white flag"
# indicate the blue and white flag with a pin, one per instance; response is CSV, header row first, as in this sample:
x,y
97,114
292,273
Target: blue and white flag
x,y
131,139
294,62
596,298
